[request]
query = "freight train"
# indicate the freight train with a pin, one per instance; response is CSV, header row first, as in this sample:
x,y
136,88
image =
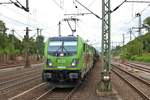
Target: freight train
x,y
68,59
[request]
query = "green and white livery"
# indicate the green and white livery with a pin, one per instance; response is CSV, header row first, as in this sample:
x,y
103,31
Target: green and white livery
x,y
67,60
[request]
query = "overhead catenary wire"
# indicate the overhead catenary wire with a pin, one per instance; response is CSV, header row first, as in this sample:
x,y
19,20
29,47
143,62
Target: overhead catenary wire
x,y
22,23
93,1
5,3
138,1
137,15
32,19
111,11
14,20
80,29
118,6
129,2
89,10
132,9
140,13
83,32
19,22
28,22
19,5
23,31
134,35
34,35
78,11
57,4
18,34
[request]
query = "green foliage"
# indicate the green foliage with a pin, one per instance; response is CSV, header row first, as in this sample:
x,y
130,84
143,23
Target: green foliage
x,y
2,27
146,42
11,45
31,44
40,44
143,58
136,49
116,51
147,21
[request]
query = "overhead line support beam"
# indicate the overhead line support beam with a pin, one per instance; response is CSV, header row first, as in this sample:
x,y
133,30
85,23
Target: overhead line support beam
x,y
138,1
5,3
89,10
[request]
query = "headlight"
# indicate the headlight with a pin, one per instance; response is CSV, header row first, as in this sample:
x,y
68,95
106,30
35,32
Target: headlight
x,y
61,54
50,64
74,62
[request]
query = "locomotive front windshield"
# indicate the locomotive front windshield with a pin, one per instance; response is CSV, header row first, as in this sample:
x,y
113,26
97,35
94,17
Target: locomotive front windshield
x,y
66,47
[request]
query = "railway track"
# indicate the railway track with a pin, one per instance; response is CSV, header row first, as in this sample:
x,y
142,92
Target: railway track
x,y
57,94
19,88
141,63
18,82
16,74
139,67
12,82
141,86
9,88
15,81
44,92
143,68
10,66
14,67
32,93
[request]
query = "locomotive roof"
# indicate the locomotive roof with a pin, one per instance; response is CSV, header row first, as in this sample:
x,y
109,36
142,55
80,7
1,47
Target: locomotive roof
x,y
64,38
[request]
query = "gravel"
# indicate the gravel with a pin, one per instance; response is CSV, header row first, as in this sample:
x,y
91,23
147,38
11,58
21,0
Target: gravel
x,y
88,90
124,90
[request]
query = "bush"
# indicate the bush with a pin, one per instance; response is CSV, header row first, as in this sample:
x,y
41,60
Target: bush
x,y
142,58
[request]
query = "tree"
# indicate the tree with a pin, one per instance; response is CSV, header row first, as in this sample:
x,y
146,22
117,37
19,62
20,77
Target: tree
x,y
3,35
2,27
147,22
146,43
10,46
40,46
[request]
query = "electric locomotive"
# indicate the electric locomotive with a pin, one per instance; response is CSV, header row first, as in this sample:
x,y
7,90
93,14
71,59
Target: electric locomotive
x,y
67,60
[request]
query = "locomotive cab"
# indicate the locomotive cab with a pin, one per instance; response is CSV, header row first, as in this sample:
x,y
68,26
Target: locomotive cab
x,y
67,60
61,60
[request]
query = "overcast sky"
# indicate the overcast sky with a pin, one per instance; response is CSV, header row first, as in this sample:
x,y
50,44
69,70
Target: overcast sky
x,y
46,14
